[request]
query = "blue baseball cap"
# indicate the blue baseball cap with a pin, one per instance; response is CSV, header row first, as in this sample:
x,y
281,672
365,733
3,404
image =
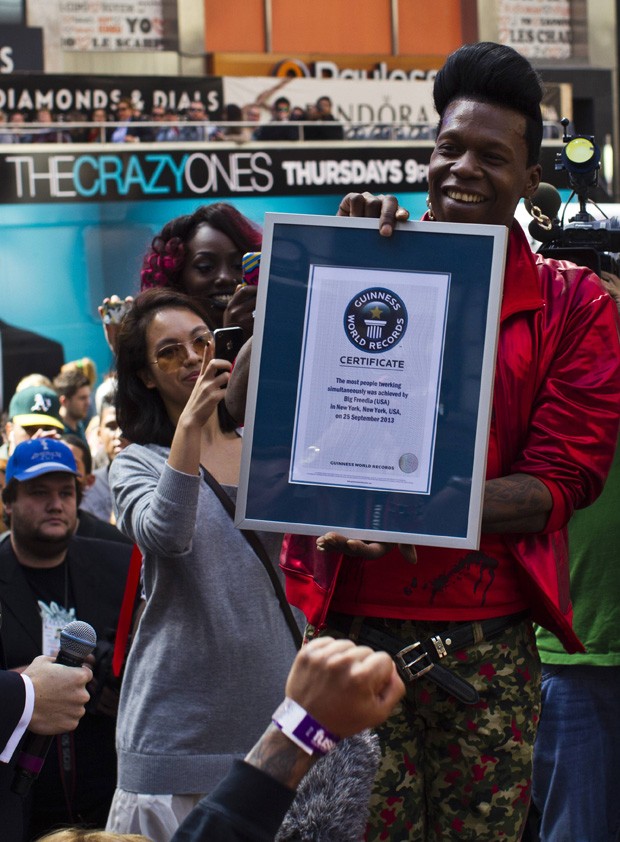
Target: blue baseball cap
x,y
36,457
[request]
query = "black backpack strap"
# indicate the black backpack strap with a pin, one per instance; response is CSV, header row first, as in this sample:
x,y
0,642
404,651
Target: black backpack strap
x,y
255,542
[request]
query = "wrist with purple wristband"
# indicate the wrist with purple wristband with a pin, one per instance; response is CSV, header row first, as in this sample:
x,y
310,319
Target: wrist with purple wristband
x,y
297,724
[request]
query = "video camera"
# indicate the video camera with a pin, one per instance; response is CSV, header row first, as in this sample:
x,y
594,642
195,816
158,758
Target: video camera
x,y
583,240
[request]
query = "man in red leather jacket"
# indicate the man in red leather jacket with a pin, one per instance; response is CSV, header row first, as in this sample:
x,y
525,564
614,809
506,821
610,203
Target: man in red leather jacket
x,y
457,751
557,369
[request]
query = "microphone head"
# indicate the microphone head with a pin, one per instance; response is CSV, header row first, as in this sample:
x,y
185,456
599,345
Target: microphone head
x,y
546,198
77,640
332,801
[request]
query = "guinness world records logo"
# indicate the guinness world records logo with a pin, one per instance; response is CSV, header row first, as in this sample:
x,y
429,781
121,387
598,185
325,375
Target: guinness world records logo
x,y
375,320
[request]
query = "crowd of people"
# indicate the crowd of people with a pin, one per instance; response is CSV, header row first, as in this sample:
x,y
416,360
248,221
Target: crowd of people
x,y
125,521
127,122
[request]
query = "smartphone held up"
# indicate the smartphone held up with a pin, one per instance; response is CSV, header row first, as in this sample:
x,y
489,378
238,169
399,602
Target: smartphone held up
x,y
228,342
251,268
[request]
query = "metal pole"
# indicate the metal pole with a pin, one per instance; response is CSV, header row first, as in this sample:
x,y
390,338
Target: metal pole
x,y
268,20
394,21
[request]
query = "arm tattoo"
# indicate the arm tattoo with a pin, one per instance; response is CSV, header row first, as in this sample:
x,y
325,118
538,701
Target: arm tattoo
x,y
515,503
280,758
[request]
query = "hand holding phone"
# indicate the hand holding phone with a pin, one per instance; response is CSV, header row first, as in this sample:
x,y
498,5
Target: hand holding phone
x,y
113,309
111,312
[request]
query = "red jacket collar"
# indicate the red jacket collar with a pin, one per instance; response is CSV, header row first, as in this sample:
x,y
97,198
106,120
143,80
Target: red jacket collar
x,y
521,283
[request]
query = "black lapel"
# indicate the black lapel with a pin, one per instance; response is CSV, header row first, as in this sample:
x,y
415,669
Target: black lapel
x,y
18,603
86,585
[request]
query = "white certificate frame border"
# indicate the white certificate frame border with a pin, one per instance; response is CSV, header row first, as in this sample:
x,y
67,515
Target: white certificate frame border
x,y
499,236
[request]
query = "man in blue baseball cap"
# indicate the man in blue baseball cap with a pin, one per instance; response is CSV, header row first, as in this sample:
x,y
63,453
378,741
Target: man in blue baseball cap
x,y
46,697
41,487
49,577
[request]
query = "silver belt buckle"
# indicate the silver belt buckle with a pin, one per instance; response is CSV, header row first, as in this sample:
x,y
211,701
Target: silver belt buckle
x,y
405,665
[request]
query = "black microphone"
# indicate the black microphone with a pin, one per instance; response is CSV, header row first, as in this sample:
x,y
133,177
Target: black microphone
x,y
544,235
77,641
547,198
549,201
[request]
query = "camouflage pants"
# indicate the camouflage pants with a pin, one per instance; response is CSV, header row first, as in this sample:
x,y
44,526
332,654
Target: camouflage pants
x,y
451,771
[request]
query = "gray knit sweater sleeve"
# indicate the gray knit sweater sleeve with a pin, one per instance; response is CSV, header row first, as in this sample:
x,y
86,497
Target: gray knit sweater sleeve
x,y
149,495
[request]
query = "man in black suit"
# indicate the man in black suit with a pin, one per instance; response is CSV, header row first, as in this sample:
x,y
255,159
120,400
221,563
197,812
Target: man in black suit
x,y
129,129
280,127
25,352
326,127
48,577
46,698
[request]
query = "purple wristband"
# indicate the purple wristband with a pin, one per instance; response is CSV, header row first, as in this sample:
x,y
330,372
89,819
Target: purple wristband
x,y
303,729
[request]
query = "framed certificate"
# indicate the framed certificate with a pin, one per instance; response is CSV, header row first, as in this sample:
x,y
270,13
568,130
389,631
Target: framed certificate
x,y
369,398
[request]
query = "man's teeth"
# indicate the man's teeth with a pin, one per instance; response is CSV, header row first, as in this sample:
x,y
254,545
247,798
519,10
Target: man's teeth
x,y
464,197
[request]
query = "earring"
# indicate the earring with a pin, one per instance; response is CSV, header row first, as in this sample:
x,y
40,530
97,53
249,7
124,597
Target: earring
x,y
431,215
541,218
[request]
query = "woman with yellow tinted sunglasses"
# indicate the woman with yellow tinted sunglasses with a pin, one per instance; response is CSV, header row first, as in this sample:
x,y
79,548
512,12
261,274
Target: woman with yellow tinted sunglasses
x,y
212,651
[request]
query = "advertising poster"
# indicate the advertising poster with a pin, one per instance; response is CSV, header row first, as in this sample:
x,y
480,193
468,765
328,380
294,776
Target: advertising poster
x,y
368,102
63,93
536,30
104,25
76,219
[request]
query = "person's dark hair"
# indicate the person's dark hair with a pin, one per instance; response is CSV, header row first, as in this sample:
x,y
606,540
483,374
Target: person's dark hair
x,y
140,411
281,100
78,441
497,74
67,383
232,113
9,495
9,492
164,262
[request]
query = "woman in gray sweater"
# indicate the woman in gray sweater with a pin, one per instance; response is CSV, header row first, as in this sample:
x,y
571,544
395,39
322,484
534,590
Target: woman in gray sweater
x,y
212,651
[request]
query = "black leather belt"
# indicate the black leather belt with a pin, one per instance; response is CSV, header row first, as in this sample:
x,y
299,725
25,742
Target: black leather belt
x,y
422,657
